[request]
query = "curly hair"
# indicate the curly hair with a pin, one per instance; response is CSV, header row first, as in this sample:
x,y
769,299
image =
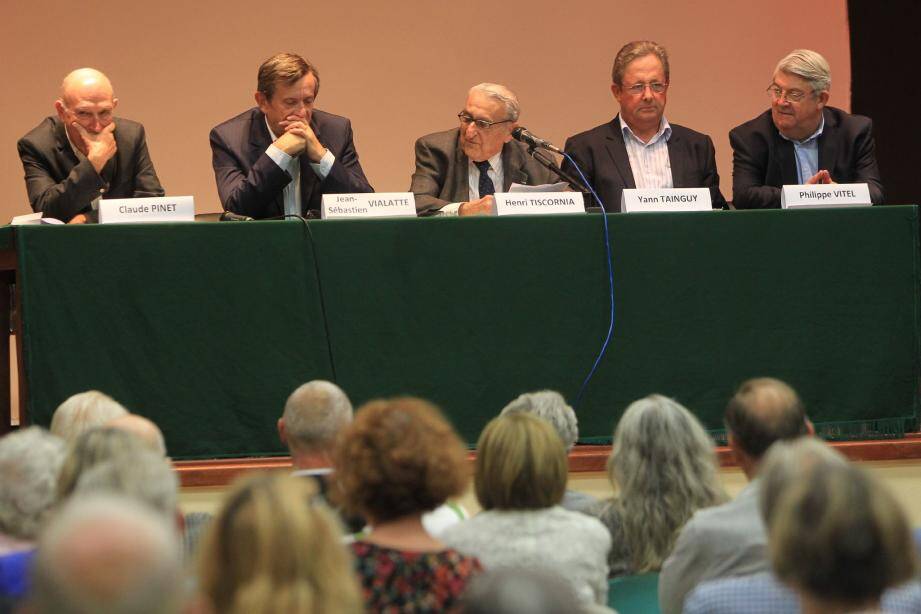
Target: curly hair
x,y
273,549
398,457
663,465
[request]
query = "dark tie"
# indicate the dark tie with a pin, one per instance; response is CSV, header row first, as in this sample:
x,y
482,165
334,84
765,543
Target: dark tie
x,y
486,187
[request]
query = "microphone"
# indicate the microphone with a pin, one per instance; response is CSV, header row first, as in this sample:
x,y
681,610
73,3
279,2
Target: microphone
x,y
520,133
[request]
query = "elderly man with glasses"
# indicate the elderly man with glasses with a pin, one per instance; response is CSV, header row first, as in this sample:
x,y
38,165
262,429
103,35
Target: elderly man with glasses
x,y
800,139
85,152
459,170
639,148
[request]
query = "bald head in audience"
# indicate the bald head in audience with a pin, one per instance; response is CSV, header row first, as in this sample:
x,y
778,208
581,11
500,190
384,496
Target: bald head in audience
x,y
107,554
763,410
144,429
82,412
314,415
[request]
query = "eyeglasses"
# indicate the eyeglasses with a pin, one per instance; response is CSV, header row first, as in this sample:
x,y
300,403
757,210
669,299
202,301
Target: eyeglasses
x,y
776,93
483,124
639,89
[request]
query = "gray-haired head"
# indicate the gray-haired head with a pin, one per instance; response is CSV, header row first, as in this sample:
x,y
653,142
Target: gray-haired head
x,y
787,460
314,414
548,405
501,94
107,554
660,453
30,460
515,590
143,428
84,411
140,475
809,66
93,447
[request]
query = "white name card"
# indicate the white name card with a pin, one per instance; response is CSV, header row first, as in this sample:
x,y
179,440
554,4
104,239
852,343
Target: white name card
x,y
813,196
666,199
380,204
537,203
144,210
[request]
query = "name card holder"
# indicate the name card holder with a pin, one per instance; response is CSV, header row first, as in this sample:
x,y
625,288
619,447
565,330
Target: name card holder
x,y
815,196
538,203
380,204
147,210
665,199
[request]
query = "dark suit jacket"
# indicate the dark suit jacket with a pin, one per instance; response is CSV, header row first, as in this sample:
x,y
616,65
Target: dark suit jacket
x,y
250,183
602,156
763,161
61,184
441,170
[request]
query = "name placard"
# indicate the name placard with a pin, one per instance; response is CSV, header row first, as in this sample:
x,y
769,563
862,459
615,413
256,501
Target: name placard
x,y
380,204
812,196
537,203
666,199
144,210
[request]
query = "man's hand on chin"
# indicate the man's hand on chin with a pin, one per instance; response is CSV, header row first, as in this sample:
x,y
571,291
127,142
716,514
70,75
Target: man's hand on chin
x,y
100,147
481,206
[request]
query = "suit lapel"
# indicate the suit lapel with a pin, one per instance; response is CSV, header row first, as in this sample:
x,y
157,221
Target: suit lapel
x,y
677,162
310,183
67,159
618,152
827,151
785,160
259,141
512,166
461,178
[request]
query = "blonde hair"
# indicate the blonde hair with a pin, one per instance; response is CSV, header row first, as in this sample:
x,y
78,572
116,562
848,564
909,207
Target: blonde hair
x,y
520,464
272,549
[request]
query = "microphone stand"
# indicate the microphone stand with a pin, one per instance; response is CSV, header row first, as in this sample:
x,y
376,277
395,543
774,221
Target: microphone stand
x,y
550,164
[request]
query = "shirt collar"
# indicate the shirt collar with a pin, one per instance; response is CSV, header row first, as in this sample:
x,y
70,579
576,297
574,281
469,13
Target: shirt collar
x,y
76,151
808,139
494,162
664,132
269,128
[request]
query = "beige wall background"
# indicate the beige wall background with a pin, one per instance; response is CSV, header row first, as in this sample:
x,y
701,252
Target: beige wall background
x,y
397,69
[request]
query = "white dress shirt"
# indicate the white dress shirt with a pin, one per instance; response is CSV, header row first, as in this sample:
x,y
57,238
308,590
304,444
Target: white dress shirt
x,y
649,161
291,164
495,173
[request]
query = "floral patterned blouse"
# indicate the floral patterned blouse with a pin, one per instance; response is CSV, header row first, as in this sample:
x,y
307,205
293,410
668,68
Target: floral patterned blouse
x,y
402,581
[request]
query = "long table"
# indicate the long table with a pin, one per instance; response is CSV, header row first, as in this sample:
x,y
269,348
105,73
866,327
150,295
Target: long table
x,y
206,327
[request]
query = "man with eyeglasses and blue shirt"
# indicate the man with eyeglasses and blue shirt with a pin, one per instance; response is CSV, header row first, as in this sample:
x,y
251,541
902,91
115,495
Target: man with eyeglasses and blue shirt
x,y
801,140
459,170
639,148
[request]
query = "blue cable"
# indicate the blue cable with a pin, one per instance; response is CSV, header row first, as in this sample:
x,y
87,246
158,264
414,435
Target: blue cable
x,y
607,244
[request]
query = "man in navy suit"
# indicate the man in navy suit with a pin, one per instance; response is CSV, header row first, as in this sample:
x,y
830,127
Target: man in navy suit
x,y
639,148
280,157
801,140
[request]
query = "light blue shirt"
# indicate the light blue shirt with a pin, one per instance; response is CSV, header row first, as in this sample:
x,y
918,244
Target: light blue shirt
x,y
807,153
649,161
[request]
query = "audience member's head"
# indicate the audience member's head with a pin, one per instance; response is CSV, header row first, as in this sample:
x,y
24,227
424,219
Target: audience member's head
x,y
520,464
93,447
399,457
107,554
143,428
514,590
30,460
141,475
273,549
552,407
663,465
840,539
314,416
763,410
82,412
785,461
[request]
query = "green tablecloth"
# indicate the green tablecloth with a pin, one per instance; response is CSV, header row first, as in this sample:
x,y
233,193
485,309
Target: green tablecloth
x,y
207,327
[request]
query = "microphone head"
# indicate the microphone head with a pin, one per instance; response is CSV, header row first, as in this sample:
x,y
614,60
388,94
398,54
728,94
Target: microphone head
x,y
518,132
